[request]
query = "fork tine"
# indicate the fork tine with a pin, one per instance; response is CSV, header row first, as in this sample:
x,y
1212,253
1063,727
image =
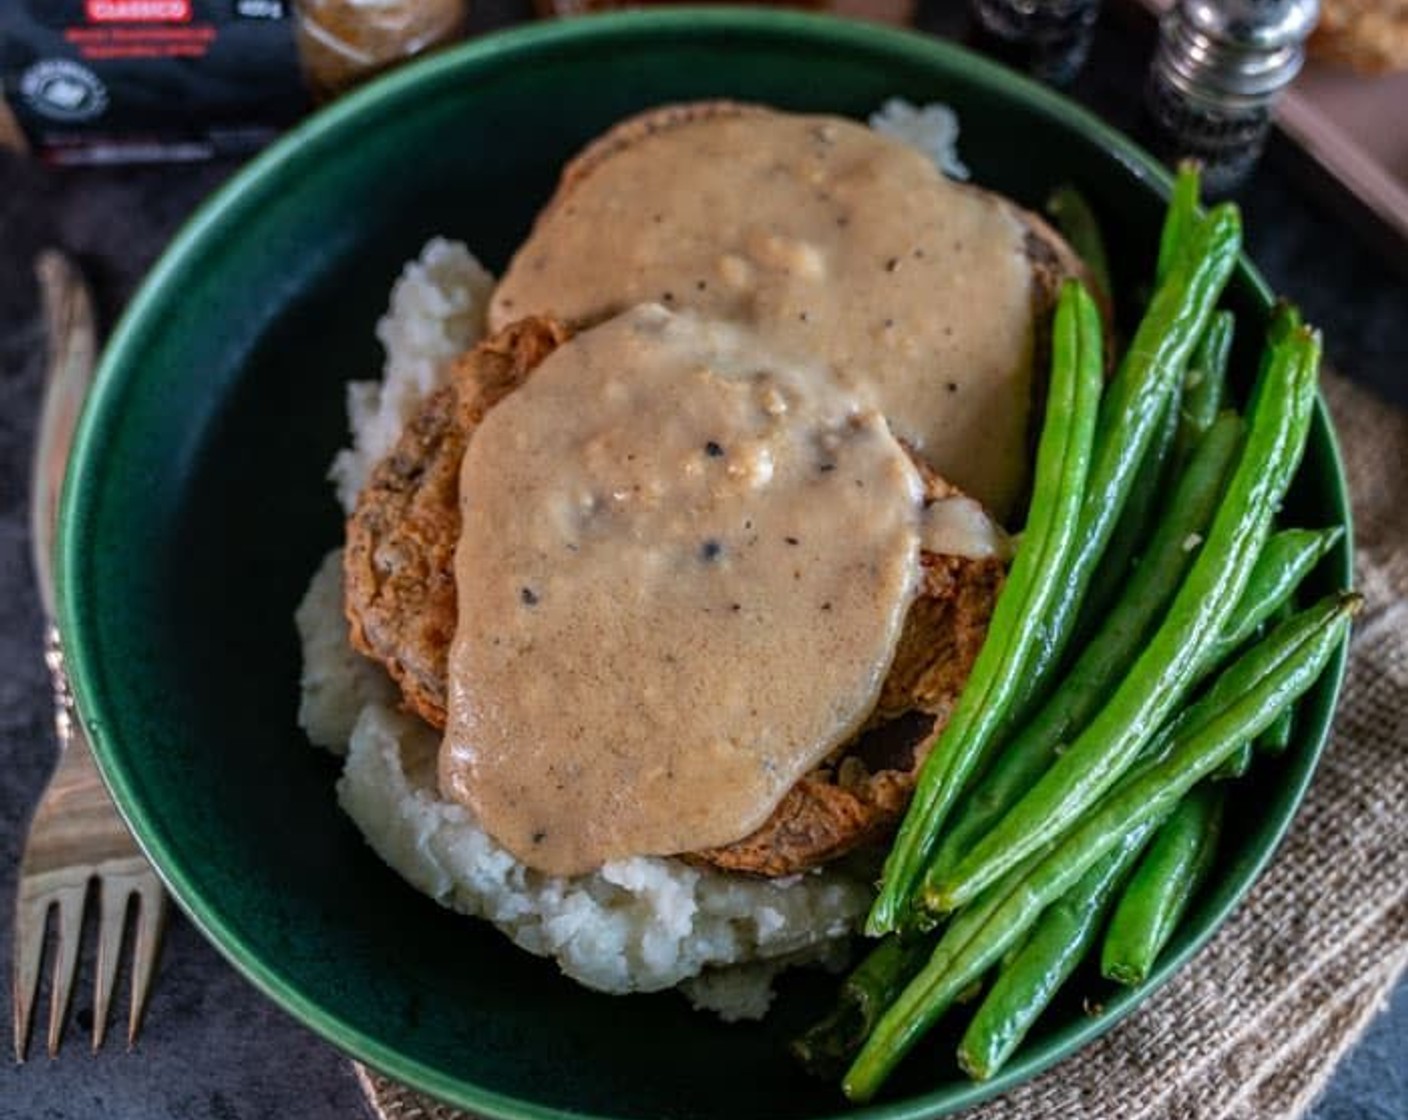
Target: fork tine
x,y
31,917
151,921
69,901
112,918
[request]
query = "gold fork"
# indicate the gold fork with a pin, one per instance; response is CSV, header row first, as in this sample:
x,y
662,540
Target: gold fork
x,y
76,840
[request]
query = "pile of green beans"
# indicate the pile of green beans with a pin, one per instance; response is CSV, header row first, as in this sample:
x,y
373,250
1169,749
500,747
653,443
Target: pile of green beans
x,y
1075,802
1167,669
1284,665
1108,654
1134,404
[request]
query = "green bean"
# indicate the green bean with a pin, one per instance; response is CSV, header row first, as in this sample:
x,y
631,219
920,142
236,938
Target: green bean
x,y
1063,462
1204,385
1078,225
1108,654
1285,320
1131,528
1161,887
1276,738
1167,669
1287,558
1013,952
870,988
1134,402
1237,764
1190,411
1179,220
1024,988
1284,665
1242,675
1131,531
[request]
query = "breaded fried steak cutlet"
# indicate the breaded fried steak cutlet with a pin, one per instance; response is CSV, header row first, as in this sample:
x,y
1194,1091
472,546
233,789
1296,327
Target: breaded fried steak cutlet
x,y
747,365
401,604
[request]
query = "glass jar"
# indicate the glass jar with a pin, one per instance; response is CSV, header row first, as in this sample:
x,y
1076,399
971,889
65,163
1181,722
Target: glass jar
x,y
344,42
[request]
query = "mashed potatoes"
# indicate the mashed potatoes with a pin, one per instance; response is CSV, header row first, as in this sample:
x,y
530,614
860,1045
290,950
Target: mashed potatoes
x,y
639,924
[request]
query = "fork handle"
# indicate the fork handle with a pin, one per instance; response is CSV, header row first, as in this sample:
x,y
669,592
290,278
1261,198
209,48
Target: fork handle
x,y
64,720
71,325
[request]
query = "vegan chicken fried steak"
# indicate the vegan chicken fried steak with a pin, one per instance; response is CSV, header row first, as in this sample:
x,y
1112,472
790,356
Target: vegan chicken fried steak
x,y
744,232
401,604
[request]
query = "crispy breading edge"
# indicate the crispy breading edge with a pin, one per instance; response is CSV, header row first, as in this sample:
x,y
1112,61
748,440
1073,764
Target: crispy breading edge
x,y
400,537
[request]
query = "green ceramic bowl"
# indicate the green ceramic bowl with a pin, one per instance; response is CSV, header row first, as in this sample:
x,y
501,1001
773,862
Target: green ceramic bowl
x,y
197,508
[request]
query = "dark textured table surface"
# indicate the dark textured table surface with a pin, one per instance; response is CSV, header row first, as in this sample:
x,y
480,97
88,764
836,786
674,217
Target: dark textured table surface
x,y
214,1048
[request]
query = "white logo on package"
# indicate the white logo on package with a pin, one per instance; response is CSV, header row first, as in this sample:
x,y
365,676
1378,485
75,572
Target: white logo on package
x,y
259,9
63,90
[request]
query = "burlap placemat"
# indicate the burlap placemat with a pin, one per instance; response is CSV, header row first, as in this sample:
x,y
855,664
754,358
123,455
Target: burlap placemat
x,y
1255,1029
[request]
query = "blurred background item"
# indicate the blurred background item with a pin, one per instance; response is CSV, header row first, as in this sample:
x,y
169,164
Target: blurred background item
x,y
119,81
582,7
1370,36
344,42
149,81
880,11
141,81
1218,71
1048,38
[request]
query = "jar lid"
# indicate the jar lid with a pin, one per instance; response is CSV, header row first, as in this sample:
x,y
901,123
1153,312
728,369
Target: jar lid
x,y
1253,24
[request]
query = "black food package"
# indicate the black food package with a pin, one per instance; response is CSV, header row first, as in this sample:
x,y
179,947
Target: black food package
x,y
109,81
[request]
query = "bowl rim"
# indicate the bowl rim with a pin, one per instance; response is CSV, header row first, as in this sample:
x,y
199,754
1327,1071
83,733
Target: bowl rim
x,y
141,317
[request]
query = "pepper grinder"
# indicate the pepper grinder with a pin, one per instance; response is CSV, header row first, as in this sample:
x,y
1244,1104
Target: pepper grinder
x,y
1048,38
1218,69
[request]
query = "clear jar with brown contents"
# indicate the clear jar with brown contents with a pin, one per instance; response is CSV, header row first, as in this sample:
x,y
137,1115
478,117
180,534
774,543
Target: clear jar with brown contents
x,y
343,42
